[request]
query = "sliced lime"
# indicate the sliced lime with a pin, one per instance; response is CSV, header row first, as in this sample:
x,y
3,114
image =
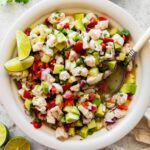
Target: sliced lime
x,y
4,134
23,44
17,143
16,65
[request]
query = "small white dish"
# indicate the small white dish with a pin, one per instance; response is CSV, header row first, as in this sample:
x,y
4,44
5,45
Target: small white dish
x,y
45,135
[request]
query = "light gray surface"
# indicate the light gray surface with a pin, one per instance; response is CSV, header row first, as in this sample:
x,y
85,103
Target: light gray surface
x,y
140,9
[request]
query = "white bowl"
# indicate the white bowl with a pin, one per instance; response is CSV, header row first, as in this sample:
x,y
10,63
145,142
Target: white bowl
x,y
45,135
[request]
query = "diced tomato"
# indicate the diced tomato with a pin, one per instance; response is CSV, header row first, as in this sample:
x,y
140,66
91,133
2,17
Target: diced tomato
x,y
102,18
51,104
67,54
93,22
53,90
66,25
68,102
27,31
106,40
78,46
26,94
60,105
130,97
46,21
103,45
123,107
94,108
85,105
53,62
92,96
46,65
68,99
35,67
66,86
36,124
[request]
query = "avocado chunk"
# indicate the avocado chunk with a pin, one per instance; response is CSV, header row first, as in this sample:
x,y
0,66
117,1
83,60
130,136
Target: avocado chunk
x,y
61,37
121,56
58,68
83,132
113,31
129,88
28,103
93,71
96,56
71,131
99,112
61,46
70,117
78,16
99,125
79,25
78,124
92,124
118,47
72,109
45,87
45,58
111,64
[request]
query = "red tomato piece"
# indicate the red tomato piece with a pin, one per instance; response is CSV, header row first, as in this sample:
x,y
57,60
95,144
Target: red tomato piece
x,y
85,105
93,22
26,94
36,124
130,97
51,104
53,90
92,96
106,40
103,45
78,46
66,86
66,25
123,107
94,108
27,31
67,54
102,18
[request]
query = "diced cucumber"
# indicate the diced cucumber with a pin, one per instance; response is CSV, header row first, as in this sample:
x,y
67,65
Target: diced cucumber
x,y
76,38
80,61
111,64
93,71
96,101
130,78
71,131
125,32
100,41
72,109
118,47
70,117
83,132
58,68
63,119
45,58
78,124
99,112
113,31
28,103
96,56
99,125
121,56
129,88
92,124
78,16
79,25
45,87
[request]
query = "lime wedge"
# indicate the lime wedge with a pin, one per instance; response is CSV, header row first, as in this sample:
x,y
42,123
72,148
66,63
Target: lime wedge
x,y
17,143
16,65
4,134
23,44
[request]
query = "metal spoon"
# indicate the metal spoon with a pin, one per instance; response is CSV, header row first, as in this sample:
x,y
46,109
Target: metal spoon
x,y
116,79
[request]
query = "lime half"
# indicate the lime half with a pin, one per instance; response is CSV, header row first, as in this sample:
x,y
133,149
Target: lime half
x,y
23,44
16,65
4,134
17,143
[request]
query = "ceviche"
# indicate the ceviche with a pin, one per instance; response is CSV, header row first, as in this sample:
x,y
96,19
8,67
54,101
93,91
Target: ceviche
x,y
61,69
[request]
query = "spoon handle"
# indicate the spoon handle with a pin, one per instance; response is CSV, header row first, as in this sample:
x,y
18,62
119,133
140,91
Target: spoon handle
x,y
138,46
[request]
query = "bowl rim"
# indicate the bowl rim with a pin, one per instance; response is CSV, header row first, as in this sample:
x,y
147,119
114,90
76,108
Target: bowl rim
x,y
113,135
